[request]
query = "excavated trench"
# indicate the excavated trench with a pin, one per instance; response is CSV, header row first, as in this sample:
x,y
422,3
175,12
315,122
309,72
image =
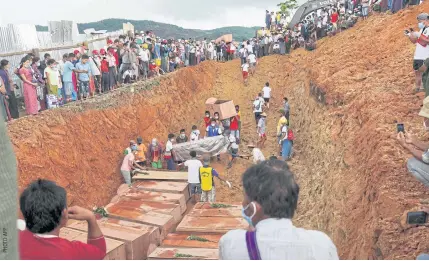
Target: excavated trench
x,y
345,100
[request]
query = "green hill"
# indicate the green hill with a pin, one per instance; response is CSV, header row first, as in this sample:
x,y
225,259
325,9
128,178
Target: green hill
x,y
167,30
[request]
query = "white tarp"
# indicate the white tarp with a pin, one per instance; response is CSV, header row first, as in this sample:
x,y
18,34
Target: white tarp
x,y
213,146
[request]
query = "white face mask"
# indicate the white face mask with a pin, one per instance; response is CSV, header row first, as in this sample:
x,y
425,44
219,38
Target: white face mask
x,y
172,140
213,124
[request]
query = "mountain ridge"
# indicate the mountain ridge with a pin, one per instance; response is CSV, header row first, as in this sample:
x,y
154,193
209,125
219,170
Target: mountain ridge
x,y
165,30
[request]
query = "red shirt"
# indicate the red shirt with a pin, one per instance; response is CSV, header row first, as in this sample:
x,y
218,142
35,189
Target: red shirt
x,y
152,67
334,17
33,247
207,121
234,123
104,66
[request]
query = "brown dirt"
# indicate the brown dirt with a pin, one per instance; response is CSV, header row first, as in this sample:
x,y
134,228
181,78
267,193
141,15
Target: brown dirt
x,y
345,98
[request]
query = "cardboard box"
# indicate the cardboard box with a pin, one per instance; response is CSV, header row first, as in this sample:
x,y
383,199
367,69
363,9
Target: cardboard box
x,y
226,108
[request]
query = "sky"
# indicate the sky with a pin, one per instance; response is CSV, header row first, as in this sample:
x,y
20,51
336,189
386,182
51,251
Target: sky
x,y
195,14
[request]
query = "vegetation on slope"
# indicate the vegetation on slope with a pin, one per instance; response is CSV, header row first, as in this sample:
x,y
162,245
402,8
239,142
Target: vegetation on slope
x,y
166,30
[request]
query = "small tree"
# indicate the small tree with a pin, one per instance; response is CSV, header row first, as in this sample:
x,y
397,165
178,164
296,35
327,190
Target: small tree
x,y
287,6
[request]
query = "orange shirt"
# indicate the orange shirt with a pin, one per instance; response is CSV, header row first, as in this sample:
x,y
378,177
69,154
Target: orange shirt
x,y
141,155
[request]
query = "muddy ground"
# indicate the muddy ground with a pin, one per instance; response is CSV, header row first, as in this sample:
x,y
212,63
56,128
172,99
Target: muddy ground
x,y
346,98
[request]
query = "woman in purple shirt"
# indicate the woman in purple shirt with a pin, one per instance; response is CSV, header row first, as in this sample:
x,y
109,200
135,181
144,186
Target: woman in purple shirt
x,y
8,83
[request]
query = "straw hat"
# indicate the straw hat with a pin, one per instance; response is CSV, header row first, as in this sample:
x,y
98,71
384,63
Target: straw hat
x,y
424,112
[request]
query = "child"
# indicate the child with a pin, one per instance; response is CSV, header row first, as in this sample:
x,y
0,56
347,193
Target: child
x,y
195,134
233,149
261,130
245,69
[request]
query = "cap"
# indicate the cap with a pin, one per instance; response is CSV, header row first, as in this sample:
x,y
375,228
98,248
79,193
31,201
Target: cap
x,y
423,16
95,52
76,52
283,121
102,51
424,112
263,114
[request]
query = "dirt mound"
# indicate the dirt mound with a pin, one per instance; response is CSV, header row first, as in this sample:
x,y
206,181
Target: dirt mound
x,y
345,98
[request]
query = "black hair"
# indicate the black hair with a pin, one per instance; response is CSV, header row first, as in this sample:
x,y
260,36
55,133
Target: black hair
x,y
285,98
216,113
194,127
212,119
237,106
85,56
207,112
71,55
47,55
260,94
36,59
116,41
42,204
50,62
267,84
272,185
23,60
3,63
170,136
182,130
193,154
66,55
30,54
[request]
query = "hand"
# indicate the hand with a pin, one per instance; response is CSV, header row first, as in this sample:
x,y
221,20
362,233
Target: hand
x,y
409,138
34,84
401,139
79,213
228,183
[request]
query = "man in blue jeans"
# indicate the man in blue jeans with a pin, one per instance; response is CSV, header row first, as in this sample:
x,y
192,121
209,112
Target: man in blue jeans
x,y
84,78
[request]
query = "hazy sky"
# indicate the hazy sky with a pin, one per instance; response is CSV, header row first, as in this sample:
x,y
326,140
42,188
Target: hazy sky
x,y
201,14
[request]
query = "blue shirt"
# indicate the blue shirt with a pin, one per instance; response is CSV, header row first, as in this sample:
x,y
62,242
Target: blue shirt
x,y
68,72
84,77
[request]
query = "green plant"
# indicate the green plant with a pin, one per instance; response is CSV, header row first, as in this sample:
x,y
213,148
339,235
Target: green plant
x,y
196,238
287,6
101,211
178,255
215,205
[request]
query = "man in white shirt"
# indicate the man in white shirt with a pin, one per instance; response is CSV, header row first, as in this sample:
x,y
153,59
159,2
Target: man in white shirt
x,y
258,104
274,236
421,39
144,56
267,94
194,166
252,62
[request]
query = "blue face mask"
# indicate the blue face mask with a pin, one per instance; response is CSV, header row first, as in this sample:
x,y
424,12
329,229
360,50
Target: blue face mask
x,y
246,217
421,25
134,147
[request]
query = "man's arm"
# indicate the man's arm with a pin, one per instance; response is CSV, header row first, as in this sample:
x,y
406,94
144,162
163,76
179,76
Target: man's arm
x,y
424,146
96,247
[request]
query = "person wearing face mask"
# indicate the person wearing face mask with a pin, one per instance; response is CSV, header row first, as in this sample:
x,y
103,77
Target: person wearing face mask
x,y
130,148
168,154
269,204
213,130
418,165
421,39
154,154
53,83
195,134
207,119
129,163
43,64
141,155
41,88
182,137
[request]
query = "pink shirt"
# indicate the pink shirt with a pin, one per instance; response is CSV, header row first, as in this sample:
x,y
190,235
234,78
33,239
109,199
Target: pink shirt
x,y
127,163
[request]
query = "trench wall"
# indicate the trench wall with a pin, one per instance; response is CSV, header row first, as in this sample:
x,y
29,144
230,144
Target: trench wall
x,y
81,146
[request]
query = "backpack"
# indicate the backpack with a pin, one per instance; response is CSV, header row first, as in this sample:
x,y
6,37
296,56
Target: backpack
x,y
290,135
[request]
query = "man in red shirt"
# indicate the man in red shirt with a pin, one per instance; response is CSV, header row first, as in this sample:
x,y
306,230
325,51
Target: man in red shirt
x,y
334,20
234,127
44,207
